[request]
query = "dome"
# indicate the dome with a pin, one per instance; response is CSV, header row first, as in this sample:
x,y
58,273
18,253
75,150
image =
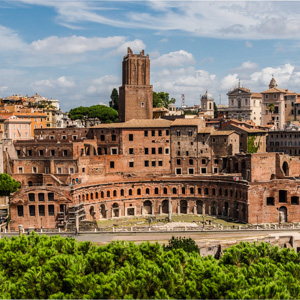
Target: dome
x,y
207,96
171,105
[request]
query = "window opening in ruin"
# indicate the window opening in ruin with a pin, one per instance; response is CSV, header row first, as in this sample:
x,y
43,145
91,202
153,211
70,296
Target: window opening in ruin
x,y
131,151
31,197
130,211
122,192
139,191
295,200
96,195
166,150
65,152
178,132
51,210
160,150
270,201
178,171
130,137
153,163
146,163
183,206
160,163
183,190
20,210
191,171
111,164
153,150
199,191
41,210
153,132
130,192
50,196
178,161
131,164
165,190
114,151
282,196
215,170
203,161
113,138
167,132
34,169
108,194
192,190
191,161
145,132
147,191
32,210
159,133
156,191
190,133
206,191
29,152
174,191
203,170
213,191
41,197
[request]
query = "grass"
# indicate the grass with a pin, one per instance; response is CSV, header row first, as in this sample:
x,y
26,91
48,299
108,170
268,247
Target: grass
x,y
143,221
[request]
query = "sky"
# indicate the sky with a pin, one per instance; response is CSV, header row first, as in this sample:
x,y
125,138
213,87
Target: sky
x,y
73,50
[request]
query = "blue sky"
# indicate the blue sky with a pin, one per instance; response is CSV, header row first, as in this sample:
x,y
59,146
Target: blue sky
x,y
72,50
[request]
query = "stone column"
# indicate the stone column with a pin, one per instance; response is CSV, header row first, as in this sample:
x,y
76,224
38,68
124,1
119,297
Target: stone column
x,y
142,210
209,210
178,209
160,209
195,209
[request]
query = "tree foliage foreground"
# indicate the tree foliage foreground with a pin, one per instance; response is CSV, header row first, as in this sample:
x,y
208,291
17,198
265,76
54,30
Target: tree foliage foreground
x,y
42,267
94,113
8,185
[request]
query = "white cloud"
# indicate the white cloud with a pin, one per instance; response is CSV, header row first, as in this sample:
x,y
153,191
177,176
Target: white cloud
x,y
103,85
174,59
229,81
246,67
61,82
9,40
136,46
75,44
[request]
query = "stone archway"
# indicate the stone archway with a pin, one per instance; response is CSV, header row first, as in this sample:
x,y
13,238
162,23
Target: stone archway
x,y
226,207
199,205
103,211
213,210
183,206
285,168
115,210
165,206
147,207
282,214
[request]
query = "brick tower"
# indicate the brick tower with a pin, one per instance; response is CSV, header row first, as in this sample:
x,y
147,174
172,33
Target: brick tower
x,y
136,93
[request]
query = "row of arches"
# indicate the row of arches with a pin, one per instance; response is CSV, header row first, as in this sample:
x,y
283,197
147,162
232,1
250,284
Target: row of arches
x,y
107,193
222,208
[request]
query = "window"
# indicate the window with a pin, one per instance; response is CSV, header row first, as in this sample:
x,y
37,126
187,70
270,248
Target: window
x,y
20,210
51,210
115,193
142,104
130,137
131,151
156,191
167,151
160,163
147,191
167,132
183,190
131,164
191,162
112,164
178,171
203,170
275,96
295,200
178,132
31,210
146,150
114,151
153,151
178,162
187,153
41,210
160,150
199,191
59,170
178,153
215,170
41,197
122,192
270,201
146,163
29,152
65,152
203,161
64,137
153,132
74,137
266,96
159,133
52,152
174,190
41,152
31,197
206,191
113,138
153,163
192,190
71,171
34,169
139,191
50,196
18,152
102,137
20,169
191,171
283,196
190,133
165,190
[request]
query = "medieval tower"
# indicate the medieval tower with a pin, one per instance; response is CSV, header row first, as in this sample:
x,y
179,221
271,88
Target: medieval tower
x,y
136,93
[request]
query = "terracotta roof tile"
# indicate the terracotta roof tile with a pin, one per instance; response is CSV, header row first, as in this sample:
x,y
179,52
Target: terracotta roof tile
x,y
187,122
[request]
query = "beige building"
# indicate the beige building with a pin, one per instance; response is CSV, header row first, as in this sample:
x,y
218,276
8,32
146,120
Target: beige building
x,y
244,105
207,105
277,106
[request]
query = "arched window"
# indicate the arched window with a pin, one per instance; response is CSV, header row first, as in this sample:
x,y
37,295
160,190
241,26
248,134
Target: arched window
x,y
130,192
102,194
139,191
165,190
108,194
92,196
96,195
213,191
206,191
183,190
82,197
192,190
156,191
147,191
87,196
122,192
174,191
115,193
199,191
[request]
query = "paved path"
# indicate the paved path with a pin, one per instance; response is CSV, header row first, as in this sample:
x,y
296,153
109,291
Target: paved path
x,y
162,237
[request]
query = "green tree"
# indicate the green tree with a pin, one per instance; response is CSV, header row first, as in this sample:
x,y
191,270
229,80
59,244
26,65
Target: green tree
x,y
215,110
94,113
271,108
8,185
114,103
161,99
187,244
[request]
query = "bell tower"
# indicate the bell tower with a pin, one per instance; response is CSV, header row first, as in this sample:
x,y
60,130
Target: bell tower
x,y
136,93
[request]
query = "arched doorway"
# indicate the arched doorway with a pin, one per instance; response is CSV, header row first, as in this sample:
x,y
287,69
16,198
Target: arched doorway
x,y
148,207
285,168
165,206
102,211
183,206
282,214
213,210
92,211
226,206
199,205
115,210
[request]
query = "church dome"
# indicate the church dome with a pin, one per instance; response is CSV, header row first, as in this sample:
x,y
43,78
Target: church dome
x,y
207,96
